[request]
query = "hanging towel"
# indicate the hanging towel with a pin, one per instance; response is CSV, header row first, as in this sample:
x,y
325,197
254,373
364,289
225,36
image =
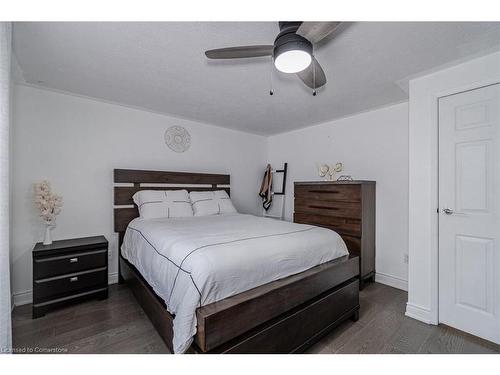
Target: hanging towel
x,y
266,187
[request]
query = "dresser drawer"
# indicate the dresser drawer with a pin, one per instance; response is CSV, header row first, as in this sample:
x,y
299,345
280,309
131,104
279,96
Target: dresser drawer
x,y
70,263
74,282
328,208
329,192
338,224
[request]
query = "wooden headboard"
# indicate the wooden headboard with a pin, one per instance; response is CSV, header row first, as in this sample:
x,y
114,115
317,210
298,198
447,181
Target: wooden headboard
x,y
129,181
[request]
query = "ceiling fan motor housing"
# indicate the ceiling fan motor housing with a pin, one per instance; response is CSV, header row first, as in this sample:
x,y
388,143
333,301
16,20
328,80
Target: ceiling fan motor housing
x,y
288,40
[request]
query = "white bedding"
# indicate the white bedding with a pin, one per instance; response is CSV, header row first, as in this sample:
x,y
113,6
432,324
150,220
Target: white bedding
x,y
191,262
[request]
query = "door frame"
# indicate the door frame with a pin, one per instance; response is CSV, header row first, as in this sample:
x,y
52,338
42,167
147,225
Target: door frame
x,y
423,231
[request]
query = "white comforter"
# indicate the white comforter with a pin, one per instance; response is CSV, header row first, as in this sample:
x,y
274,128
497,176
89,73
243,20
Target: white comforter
x,y
191,262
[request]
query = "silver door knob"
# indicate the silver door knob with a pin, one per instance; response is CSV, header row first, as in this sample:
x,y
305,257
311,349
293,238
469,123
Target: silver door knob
x,y
448,211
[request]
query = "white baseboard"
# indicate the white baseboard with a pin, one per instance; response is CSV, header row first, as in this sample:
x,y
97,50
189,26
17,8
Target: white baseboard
x,y
25,297
395,282
22,298
419,313
113,278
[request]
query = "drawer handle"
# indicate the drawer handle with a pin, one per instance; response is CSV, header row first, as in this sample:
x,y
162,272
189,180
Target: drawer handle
x,y
325,208
325,191
73,279
73,260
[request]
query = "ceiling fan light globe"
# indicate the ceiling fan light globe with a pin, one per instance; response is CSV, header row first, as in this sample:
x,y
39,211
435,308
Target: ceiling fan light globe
x,y
292,61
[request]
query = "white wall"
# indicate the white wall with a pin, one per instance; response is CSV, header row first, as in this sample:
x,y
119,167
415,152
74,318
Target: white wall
x,y
372,146
5,125
423,189
76,142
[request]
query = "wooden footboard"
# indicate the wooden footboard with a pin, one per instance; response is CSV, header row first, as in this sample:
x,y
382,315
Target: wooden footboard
x,y
296,330
284,316
224,320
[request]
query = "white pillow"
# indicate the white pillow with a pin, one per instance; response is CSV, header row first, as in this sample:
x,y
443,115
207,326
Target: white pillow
x,y
211,203
163,203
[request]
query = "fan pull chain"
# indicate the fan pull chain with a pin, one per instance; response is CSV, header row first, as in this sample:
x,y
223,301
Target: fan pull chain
x,y
314,77
271,91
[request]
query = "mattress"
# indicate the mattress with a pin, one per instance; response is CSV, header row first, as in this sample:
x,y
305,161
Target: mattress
x,y
192,262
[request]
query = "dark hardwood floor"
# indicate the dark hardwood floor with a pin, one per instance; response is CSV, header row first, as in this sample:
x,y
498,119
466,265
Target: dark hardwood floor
x,y
118,325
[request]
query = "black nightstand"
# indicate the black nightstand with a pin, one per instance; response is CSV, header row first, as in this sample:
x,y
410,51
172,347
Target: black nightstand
x,y
68,271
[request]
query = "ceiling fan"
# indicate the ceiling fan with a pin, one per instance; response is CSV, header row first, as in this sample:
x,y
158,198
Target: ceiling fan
x,y
292,51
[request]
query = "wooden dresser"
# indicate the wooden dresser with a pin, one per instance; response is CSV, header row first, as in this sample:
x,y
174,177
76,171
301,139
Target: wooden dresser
x,y
347,207
68,271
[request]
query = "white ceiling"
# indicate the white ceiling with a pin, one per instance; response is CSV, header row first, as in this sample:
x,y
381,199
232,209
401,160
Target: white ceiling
x,y
161,67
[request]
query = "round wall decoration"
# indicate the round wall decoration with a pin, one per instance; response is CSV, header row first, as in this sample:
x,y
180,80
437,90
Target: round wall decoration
x,y
177,138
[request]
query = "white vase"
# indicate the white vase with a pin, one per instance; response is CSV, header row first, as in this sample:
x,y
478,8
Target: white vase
x,y
47,240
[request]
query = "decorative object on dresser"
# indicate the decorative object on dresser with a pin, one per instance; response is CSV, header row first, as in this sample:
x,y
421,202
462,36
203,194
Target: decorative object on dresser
x,y
49,205
345,178
68,271
347,207
328,171
322,169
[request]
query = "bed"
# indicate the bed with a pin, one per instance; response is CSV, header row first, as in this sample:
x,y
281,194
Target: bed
x,y
231,283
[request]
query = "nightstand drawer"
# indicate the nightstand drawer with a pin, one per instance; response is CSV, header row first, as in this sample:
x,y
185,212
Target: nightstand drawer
x,y
53,287
69,263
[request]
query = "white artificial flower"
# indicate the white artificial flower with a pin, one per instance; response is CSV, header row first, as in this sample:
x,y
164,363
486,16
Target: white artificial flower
x,y
48,203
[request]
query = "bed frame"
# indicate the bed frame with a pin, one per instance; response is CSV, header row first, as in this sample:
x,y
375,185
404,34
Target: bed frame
x,y
284,316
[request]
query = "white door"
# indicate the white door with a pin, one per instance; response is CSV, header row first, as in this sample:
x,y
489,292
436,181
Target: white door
x,y
469,214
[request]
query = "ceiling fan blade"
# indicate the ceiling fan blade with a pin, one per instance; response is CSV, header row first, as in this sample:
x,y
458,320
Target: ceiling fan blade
x,y
313,76
316,31
240,52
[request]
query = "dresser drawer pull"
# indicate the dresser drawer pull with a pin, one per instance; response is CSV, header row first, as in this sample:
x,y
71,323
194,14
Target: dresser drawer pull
x,y
325,191
73,279
73,260
325,208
